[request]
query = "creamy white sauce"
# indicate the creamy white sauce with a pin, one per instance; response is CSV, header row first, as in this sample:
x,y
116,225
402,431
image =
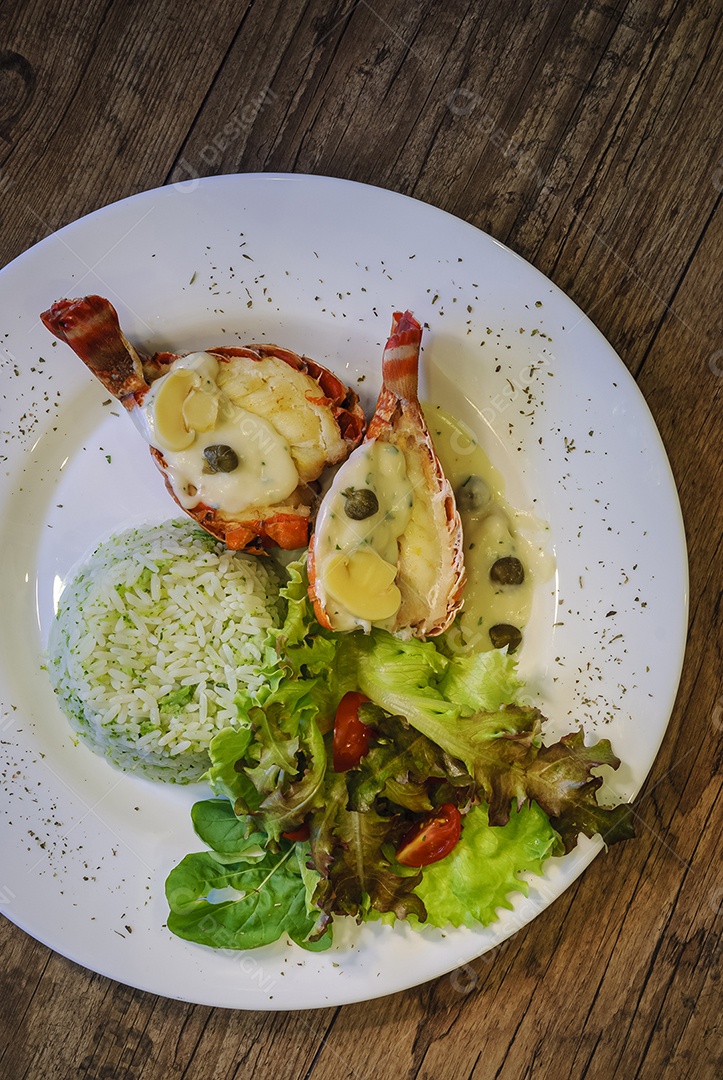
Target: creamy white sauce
x,y
353,590
491,531
266,473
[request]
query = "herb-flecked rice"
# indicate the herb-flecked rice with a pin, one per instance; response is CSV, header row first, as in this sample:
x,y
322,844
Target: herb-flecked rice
x,y
156,644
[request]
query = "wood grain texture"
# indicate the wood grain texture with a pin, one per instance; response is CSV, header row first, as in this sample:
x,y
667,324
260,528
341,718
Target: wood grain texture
x,y
587,136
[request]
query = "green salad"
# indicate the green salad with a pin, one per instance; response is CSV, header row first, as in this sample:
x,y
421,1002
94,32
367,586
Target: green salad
x,y
378,778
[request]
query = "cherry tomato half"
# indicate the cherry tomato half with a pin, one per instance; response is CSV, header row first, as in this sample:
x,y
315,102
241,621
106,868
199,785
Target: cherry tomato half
x,y
351,737
432,839
302,833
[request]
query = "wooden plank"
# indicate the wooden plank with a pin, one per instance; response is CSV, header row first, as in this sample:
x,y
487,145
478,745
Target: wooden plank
x,y
119,88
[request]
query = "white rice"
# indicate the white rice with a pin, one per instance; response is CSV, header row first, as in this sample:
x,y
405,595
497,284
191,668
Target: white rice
x,y
157,642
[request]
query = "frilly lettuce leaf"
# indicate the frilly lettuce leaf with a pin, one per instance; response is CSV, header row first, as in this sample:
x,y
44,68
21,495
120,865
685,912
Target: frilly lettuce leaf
x,y
286,807
272,778
322,822
412,667
225,749
476,878
501,749
299,613
404,678
275,745
561,781
482,682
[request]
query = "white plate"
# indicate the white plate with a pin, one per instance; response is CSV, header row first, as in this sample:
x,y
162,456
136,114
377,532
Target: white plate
x,y
318,265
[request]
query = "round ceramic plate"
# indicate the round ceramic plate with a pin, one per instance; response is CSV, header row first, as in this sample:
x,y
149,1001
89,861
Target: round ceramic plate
x,y
318,265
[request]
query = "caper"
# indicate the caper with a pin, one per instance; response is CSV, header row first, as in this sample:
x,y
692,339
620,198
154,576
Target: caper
x,y
360,503
220,458
472,494
508,571
503,634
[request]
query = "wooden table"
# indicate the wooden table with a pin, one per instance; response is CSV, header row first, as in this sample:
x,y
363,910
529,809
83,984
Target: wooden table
x,y
587,137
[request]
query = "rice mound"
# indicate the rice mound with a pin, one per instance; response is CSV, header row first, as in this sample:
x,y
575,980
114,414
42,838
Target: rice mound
x,y
157,642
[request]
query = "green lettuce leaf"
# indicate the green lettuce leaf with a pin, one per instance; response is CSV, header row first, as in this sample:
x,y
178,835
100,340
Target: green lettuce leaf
x,y
276,743
476,878
413,667
299,617
404,677
225,750
303,646
286,807
483,682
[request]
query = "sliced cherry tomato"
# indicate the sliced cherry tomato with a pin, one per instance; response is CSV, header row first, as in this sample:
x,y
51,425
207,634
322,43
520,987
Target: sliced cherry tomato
x,y
351,737
302,833
432,839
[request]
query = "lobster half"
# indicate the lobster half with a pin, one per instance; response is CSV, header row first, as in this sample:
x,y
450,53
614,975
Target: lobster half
x,y
387,549
240,435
